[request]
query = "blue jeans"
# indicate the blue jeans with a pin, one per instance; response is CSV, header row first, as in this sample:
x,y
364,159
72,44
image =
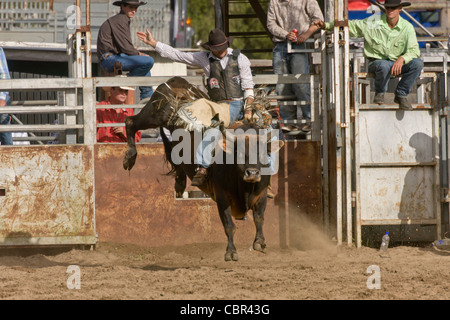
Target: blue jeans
x,y
236,110
382,70
138,66
203,154
5,137
292,63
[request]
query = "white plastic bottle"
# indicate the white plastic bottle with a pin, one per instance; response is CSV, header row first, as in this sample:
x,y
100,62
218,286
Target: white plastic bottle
x,y
443,242
384,242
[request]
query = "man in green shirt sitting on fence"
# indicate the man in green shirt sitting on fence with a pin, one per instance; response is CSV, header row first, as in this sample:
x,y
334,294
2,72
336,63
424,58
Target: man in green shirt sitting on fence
x,y
391,49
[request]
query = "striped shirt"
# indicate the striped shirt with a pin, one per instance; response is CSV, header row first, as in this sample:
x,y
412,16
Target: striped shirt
x,y
106,134
201,59
4,74
285,15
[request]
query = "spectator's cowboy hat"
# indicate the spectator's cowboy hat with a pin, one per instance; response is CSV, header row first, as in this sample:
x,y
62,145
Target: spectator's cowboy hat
x,y
396,3
129,2
124,87
217,41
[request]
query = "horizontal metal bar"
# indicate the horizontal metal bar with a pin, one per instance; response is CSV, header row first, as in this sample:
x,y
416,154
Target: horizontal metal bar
x,y
38,109
73,83
290,103
368,222
369,75
302,50
56,241
398,164
296,121
196,80
42,83
373,107
34,103
431,39
36,138
103,125
283,78
120,106
141,81
38,128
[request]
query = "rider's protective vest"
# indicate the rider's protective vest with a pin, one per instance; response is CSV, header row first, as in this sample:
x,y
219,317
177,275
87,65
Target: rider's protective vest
x,y
225,84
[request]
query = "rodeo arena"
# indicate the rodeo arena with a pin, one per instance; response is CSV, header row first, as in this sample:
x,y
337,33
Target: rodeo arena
x,y
83,219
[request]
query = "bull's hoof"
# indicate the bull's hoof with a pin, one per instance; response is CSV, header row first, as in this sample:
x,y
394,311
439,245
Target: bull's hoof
x,y
229,256
129,160
259,247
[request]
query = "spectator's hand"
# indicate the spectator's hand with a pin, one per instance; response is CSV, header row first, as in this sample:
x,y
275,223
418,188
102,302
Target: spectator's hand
x,y
302,38
291,36
397,67
147,38
319,23
2,103
120,131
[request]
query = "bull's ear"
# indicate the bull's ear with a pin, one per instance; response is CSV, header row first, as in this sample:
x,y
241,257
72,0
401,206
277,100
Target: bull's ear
x,y
274,146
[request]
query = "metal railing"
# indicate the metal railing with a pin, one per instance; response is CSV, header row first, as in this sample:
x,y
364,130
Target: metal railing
x,y
77,103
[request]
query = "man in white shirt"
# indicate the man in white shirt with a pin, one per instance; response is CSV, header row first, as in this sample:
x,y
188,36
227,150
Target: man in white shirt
x,y
228,71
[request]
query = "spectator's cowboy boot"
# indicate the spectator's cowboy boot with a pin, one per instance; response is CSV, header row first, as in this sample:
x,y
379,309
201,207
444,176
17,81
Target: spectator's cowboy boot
x,y
403,103
200,178
379,98
270,193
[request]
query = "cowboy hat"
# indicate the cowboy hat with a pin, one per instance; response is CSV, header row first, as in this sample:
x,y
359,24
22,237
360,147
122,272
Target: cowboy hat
x,y
129,2
396,3
124,87
217,41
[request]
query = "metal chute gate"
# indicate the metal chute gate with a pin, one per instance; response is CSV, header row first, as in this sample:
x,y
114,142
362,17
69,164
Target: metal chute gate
x,y
382,165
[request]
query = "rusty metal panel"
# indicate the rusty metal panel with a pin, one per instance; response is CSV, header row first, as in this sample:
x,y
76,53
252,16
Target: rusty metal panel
x,y
390,136
390,194
140,207
47,196
399,167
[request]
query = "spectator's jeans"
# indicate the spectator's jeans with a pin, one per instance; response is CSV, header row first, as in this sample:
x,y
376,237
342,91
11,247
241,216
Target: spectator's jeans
x,y
138,66
382,70
292,63
5,137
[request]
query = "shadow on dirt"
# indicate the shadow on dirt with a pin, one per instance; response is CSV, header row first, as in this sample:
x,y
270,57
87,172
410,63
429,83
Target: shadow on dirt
x,y
155,267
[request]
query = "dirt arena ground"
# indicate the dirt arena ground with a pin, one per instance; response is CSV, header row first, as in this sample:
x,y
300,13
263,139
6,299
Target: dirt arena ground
x,y
198,271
